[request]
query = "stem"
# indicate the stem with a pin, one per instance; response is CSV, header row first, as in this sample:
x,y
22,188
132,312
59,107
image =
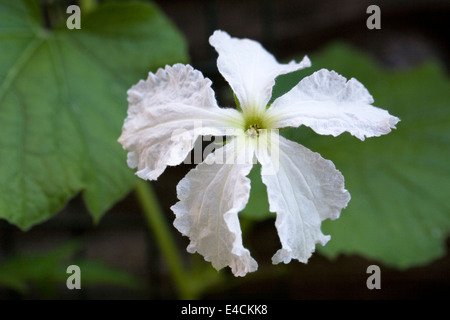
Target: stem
x,y
158,225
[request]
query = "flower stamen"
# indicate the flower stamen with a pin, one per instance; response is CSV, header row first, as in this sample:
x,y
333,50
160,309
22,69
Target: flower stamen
x,y
253,130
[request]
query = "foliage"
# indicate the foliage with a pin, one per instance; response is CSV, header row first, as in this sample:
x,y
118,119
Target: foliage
x,y
63,102
44,271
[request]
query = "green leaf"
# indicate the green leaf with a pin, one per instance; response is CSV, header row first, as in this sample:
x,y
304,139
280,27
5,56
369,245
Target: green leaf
x,y
42,270
399,213
46,271
99,273
63,102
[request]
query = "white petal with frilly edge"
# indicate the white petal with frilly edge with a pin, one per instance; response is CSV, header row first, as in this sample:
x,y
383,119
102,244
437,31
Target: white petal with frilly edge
x,y
249,68
305,190
211,195
166,114
331,105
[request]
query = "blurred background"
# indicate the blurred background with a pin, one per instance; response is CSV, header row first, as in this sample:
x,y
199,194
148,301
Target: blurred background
x,y
411,33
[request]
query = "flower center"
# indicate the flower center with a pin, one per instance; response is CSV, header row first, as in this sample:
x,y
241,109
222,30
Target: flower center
x,y
256,120
253,130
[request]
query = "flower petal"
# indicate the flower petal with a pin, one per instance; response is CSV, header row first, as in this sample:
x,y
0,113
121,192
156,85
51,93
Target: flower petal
x,y
211,195
305,190
249,68
329,104
166,114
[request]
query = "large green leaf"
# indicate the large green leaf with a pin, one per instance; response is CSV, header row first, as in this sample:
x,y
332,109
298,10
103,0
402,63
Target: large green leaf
x,y
63,101
399,213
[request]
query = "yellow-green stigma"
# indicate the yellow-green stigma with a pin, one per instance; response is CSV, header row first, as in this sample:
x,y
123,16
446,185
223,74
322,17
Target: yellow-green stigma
x,y
253,130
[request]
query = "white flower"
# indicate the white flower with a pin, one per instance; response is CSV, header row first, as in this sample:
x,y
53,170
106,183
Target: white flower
x,y
303,188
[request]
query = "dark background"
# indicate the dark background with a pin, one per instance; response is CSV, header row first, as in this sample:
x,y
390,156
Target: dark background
x,y
411,32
